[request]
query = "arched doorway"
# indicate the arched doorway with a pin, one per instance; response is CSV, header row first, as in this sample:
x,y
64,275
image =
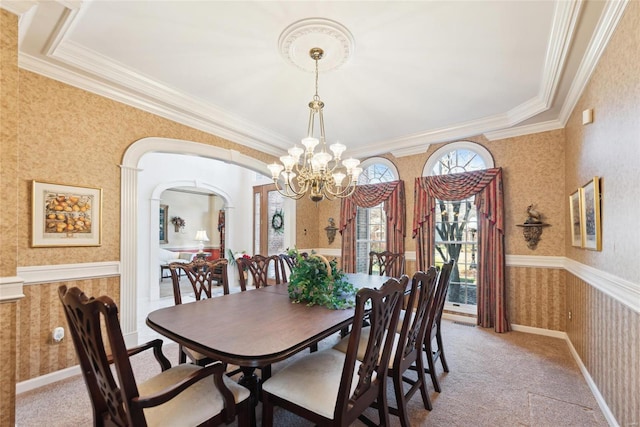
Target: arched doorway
x,y
130,247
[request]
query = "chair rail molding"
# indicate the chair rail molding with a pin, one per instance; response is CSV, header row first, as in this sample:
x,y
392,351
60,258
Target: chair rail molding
x,y
37,274
11,289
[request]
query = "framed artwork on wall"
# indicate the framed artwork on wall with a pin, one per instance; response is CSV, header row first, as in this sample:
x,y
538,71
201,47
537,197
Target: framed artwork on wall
x,y
164,217
575,213
65,215
590,217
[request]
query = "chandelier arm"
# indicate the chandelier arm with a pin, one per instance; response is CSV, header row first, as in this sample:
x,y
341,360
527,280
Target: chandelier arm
x,y
294,195
313,173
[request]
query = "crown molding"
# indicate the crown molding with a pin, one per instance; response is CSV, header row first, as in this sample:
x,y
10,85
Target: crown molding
x,y
17,7
601,36
524,130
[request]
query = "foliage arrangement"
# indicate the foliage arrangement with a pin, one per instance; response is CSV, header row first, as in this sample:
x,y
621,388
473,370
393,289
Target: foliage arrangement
x,y
178,222
310,283
232,256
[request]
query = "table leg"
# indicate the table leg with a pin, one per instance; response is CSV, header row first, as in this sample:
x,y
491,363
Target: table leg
x,y
250,380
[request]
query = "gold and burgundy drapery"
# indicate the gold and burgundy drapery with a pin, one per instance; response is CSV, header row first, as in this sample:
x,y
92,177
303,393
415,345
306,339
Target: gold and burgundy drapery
x,y
368,196
487,187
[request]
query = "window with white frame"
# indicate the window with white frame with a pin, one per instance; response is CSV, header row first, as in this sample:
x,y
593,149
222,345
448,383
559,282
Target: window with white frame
x,y
456,223
371,223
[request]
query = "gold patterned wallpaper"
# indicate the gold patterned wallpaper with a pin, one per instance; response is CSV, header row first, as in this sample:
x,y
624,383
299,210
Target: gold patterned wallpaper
x,y
610,148
68,135
533,174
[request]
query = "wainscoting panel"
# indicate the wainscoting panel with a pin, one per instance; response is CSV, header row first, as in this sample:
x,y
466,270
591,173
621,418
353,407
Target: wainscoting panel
x,y
606,335
38,313
536,297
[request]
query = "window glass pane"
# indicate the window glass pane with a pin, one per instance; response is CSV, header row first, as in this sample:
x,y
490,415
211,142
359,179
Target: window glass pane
x,y
371,223
458,161
275,238
256,223
456,228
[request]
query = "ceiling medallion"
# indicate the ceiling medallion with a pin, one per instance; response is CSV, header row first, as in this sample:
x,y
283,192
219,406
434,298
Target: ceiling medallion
x,y
299,38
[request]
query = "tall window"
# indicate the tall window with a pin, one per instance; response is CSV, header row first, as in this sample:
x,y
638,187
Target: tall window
x,y
371,223
456,223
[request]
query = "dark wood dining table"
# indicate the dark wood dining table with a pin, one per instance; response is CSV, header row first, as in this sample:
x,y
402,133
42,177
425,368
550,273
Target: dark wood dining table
x,y
255,328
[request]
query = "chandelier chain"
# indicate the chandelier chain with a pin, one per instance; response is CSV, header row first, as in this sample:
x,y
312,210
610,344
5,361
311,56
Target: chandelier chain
x,y
318,173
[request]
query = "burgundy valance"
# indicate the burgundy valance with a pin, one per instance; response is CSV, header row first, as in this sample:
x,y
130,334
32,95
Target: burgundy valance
x,y
368,196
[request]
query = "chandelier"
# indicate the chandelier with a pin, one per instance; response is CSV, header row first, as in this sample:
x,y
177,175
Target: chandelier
x,y
319,174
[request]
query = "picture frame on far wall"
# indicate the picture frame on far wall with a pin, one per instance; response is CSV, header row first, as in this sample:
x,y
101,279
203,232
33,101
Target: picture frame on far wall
x,y
575,214
65,215
590,218
164,218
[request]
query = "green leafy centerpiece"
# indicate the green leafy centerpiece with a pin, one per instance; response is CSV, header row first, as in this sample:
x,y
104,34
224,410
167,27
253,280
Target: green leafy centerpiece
x,y
316,281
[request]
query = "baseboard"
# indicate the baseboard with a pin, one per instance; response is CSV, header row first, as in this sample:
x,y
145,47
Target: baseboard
x,y
458,318
608,415
47,379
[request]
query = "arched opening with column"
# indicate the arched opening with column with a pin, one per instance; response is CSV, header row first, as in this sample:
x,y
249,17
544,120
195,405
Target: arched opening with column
x,y
130,246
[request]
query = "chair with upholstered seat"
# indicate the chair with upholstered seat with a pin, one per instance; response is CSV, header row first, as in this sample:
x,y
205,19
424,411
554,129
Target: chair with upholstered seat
x,y
288,263
386,263
202,275
333,388
408,343
186,395
433,326
263,270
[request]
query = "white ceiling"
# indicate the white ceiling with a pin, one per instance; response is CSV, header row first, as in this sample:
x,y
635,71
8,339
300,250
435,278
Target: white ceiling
x,y
420,71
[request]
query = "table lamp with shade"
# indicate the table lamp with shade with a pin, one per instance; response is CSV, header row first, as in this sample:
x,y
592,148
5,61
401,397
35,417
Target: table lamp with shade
x,y
201,236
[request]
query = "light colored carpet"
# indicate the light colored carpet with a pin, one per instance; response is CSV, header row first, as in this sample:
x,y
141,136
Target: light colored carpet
x,y
512,379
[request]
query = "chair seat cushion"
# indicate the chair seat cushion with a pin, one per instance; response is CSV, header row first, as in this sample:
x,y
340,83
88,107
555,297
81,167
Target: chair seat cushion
x,y
193,406
364,338
194,355
312,382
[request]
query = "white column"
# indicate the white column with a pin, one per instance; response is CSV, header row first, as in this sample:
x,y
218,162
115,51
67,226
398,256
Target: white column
x,y
128,253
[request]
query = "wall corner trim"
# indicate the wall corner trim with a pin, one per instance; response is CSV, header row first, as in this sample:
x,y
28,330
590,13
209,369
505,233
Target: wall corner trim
x,y
11,289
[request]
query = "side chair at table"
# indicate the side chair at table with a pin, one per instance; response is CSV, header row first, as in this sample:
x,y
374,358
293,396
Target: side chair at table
x,y
433,326
288,263
202,275
332,388
407,350
387,263
185,395
263,270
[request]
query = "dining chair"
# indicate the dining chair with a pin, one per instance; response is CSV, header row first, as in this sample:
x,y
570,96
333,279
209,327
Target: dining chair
x,y
202,275
185,395
433,326
288,263
407,350
334,388
264,271
386,263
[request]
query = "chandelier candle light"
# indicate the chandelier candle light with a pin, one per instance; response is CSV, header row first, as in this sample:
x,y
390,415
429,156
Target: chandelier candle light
x,y
318,173
201,236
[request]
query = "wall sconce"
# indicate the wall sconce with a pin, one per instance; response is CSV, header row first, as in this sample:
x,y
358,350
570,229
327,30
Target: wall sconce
x,y
331,230
532,227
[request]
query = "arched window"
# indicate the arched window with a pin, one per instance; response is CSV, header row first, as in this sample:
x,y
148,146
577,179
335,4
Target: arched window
x,y
456,222
371,223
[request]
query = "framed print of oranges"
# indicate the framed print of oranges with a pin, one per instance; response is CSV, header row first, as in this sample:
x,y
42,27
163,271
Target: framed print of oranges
x,y
65,215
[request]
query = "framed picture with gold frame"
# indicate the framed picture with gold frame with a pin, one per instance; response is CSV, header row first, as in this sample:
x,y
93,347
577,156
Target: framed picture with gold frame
x,y
575,214
591,223
65,215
